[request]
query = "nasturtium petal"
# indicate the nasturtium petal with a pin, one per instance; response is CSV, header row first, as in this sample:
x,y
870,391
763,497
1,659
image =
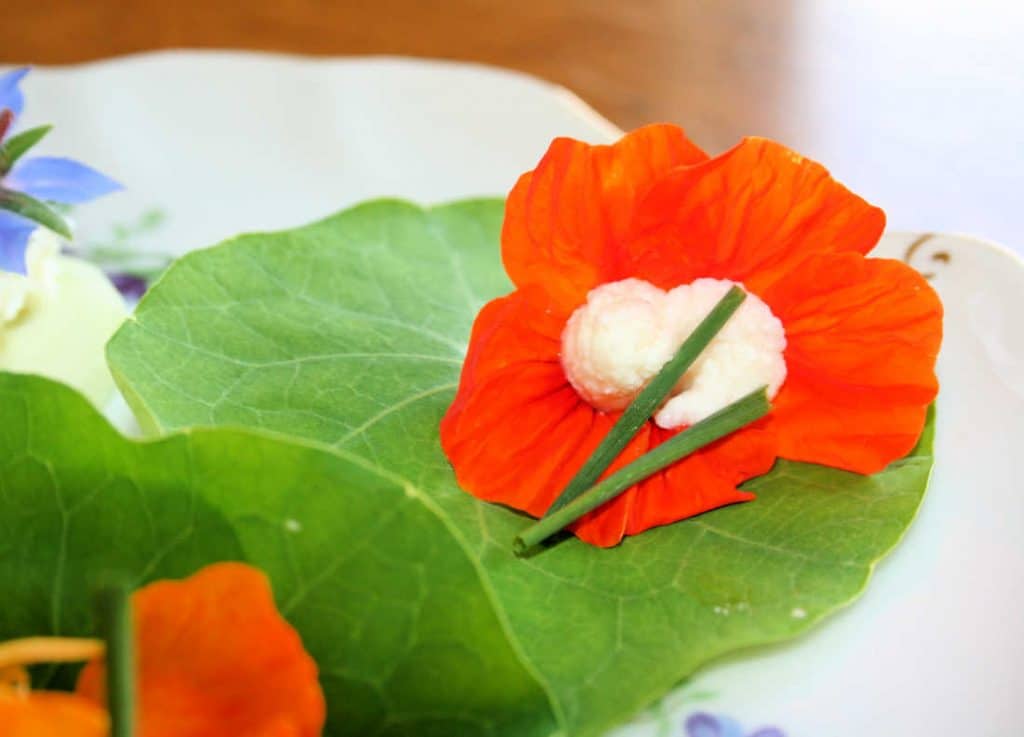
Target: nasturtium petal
x,y
351,332
51,714
386,600
213,656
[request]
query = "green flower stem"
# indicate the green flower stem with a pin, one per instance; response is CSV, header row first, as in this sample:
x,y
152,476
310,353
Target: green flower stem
x,y
35,210
115,617
18,145
742,412
641,409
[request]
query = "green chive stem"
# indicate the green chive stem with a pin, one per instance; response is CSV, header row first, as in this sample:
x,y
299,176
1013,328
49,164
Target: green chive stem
x,y
115,616
727,420
641,409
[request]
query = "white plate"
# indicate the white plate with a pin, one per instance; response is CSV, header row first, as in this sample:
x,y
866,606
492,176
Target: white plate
x,y
223,143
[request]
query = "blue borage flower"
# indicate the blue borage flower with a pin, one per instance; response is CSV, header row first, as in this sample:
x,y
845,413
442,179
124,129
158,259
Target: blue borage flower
x,y
47,178
703,724
10,94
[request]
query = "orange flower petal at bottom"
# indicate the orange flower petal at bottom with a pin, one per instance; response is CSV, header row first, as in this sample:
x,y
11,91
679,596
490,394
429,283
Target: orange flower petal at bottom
x,y
216,658
51,714
706,480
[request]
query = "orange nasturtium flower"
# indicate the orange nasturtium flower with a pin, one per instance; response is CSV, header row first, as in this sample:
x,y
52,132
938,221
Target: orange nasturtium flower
x,y
213,658
861,334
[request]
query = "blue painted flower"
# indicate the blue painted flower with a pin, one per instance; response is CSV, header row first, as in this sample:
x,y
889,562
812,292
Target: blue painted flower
x,y
703,724
47,178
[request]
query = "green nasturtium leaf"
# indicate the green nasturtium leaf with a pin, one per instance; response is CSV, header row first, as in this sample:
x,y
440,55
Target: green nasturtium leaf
x,y
351,332
394,611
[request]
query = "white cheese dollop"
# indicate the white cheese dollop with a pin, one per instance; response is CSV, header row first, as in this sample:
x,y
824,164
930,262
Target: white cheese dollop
x,y
56,320
627,330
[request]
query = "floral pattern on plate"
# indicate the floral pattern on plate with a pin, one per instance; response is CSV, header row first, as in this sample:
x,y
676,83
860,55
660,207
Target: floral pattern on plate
x,y
703,724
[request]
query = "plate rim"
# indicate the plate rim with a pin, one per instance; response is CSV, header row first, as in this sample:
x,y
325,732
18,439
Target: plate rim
x,y
563,95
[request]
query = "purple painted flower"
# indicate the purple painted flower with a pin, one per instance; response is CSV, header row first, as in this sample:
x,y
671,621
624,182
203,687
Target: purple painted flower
x,y
132,286
703,724
49,179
